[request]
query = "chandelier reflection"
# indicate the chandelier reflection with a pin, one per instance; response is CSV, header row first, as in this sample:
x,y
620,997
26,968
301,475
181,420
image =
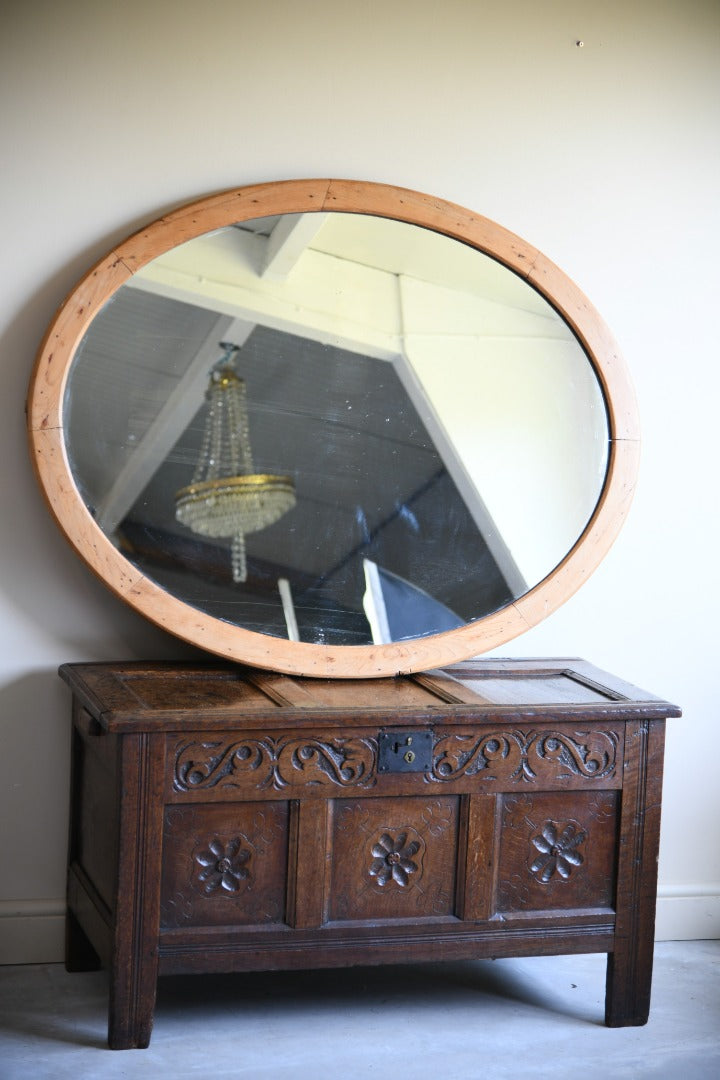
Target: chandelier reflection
x,y
226,498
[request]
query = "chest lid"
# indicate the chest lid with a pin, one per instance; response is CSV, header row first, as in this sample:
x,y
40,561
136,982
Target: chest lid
x,y
165,696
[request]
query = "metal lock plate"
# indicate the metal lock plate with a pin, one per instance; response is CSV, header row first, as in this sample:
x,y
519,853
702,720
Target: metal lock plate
x,y
404,751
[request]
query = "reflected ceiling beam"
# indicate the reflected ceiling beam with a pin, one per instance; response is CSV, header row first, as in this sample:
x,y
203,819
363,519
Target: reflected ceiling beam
x,y
167,427
290,238
333,301
448,451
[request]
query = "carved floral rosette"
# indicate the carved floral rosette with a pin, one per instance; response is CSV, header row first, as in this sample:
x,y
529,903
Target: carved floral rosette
x,y
223,867
394,856
555,849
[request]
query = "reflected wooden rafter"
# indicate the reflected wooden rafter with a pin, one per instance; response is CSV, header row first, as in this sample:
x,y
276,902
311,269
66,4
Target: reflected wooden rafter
x,y
168,425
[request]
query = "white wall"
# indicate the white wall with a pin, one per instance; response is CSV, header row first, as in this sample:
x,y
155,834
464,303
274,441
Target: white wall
x,y
605,157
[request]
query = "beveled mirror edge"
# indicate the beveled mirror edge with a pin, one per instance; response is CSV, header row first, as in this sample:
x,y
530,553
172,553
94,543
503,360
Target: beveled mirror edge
x,y
45,402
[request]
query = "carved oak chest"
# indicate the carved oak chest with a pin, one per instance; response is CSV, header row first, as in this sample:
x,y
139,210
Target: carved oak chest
x,y
226,819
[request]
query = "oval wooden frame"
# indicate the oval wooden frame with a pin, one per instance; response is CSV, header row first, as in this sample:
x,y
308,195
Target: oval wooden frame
x,y
348,661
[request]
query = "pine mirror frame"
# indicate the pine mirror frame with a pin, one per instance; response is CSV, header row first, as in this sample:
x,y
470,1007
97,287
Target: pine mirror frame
x,y
71,323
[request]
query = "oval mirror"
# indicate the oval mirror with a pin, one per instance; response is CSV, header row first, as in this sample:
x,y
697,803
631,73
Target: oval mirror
x,y
334,428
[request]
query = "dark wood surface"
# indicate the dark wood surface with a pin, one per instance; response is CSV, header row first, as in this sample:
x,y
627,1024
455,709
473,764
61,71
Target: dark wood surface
x,y
226,819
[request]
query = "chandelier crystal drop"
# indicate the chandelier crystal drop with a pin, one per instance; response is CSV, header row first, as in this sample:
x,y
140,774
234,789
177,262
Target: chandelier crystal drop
x,y
226,498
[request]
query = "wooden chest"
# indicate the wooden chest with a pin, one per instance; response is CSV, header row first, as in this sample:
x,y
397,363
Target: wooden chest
x,y
227,819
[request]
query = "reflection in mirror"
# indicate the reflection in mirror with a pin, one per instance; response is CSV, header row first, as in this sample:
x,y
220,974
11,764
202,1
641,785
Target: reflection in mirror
x,y
226,497
443,431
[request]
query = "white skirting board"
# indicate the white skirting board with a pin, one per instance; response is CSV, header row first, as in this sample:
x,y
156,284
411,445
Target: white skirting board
x,y
688,912
33,931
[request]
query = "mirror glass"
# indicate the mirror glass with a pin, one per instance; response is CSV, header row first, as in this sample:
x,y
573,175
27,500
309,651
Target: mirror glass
x,y
426,430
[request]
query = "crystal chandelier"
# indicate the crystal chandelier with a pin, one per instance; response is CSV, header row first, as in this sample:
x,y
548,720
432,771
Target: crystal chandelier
x,y
226,498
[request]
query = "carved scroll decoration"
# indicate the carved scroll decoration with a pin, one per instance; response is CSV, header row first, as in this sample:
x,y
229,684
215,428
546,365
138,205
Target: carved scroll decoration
x,y
279,762
275,762
519,755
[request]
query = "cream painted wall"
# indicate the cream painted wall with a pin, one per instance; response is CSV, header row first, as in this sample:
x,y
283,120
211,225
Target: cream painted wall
x,y
605,157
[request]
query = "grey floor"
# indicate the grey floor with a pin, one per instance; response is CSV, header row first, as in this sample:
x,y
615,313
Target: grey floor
x,y
500,1019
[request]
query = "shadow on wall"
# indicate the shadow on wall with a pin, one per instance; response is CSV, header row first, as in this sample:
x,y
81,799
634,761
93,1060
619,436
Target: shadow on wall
x,y
40,577
35,739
